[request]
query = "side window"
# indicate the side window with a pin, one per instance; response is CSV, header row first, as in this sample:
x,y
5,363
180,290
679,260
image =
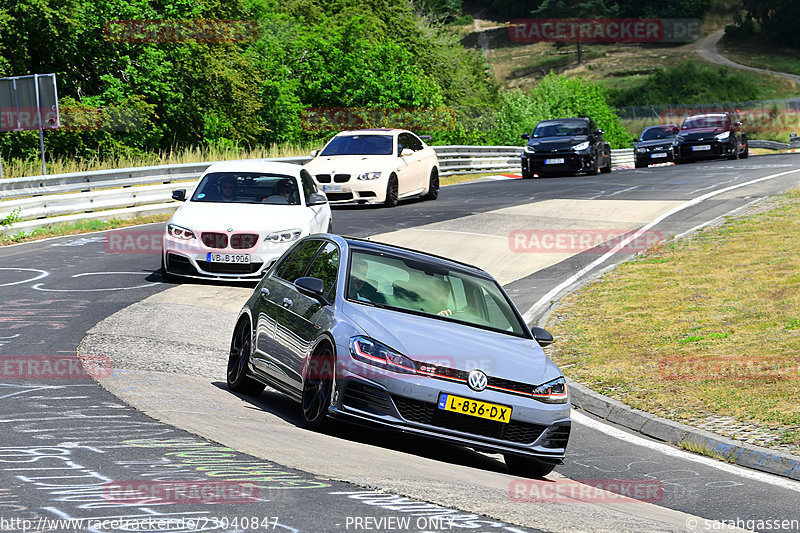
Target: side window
x,y
309,187
416,144
402,143
295,266
326,266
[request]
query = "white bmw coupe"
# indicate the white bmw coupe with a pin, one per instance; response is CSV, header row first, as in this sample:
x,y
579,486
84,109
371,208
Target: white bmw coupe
x,y
379,166
240,218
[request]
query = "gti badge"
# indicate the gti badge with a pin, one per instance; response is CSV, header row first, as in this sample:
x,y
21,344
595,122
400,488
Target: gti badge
x,y
477,380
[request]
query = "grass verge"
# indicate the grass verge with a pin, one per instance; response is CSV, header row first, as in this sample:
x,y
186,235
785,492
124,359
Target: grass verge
x,y
705,325
77,228
760,55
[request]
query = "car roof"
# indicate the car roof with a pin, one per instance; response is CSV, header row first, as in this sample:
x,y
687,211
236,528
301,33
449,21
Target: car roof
x,y
378,247
256,165
372,131
583,119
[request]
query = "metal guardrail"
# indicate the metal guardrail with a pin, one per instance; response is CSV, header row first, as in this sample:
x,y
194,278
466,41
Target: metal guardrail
x,y
129,192
773,145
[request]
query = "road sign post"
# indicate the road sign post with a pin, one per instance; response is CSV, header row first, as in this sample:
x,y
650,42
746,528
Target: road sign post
x,y
29,103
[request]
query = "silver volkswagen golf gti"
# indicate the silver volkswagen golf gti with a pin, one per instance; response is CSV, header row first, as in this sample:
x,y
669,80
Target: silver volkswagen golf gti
x,y
358,330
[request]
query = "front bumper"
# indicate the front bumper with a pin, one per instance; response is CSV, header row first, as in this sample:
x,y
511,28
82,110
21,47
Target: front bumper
x,y
190,259
544,163
693,150
353,191
408,403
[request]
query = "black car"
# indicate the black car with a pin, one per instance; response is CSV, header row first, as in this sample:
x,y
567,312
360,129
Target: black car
x,y
656,144
710,136
565,146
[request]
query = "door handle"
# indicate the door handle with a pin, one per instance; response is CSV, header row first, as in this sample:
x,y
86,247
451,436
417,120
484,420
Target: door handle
x,y
264,292
287,302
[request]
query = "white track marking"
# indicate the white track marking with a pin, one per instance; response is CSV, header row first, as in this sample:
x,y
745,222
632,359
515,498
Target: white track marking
x,y
671,451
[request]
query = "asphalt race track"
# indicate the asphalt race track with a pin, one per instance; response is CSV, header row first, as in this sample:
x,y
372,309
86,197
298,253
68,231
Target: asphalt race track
x,y
68,442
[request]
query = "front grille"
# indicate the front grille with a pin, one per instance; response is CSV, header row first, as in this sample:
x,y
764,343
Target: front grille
x,y
324,178
341,178
215,240
230,268
461,376
243,241
366,398
338,196
428,414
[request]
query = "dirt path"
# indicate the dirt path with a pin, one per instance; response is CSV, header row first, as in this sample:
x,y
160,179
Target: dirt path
x,y
707,48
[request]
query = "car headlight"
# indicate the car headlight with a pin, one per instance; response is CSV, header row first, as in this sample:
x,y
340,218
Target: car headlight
x,y
552,392
529,149
724,135
287,235
369,176
641,150
370,351
179,232
582,146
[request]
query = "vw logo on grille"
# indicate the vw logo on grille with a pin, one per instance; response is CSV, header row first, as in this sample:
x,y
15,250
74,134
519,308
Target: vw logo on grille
x,y
477,380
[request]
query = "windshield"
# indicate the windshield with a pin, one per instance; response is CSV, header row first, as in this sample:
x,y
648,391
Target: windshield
x,y
659,132
560,129
706,121
425,289
247,188
359,145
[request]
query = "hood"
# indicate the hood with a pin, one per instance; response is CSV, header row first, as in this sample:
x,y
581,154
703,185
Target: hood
x,y
654,142
347,164
546,144
260,218
455,345
697,134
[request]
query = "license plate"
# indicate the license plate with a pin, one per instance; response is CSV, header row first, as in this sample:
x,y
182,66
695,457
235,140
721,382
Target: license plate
x,y
654,156
554,161
465,406
227,258
701,148
332,188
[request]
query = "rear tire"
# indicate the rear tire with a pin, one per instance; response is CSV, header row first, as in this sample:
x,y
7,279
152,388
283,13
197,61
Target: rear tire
x,y
317,388
526,466
433,185
238,380
391,192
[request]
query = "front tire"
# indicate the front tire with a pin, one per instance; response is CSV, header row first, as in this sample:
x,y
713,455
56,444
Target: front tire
x,y
317,388
746,152
391,192
238,380
527,467
735,154
433,185
607,169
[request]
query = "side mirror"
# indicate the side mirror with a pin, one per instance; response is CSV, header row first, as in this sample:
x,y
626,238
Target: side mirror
x,y
317,198
542,336
179,194
313,287
676,130
599,132
526,136
406,152
314,153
